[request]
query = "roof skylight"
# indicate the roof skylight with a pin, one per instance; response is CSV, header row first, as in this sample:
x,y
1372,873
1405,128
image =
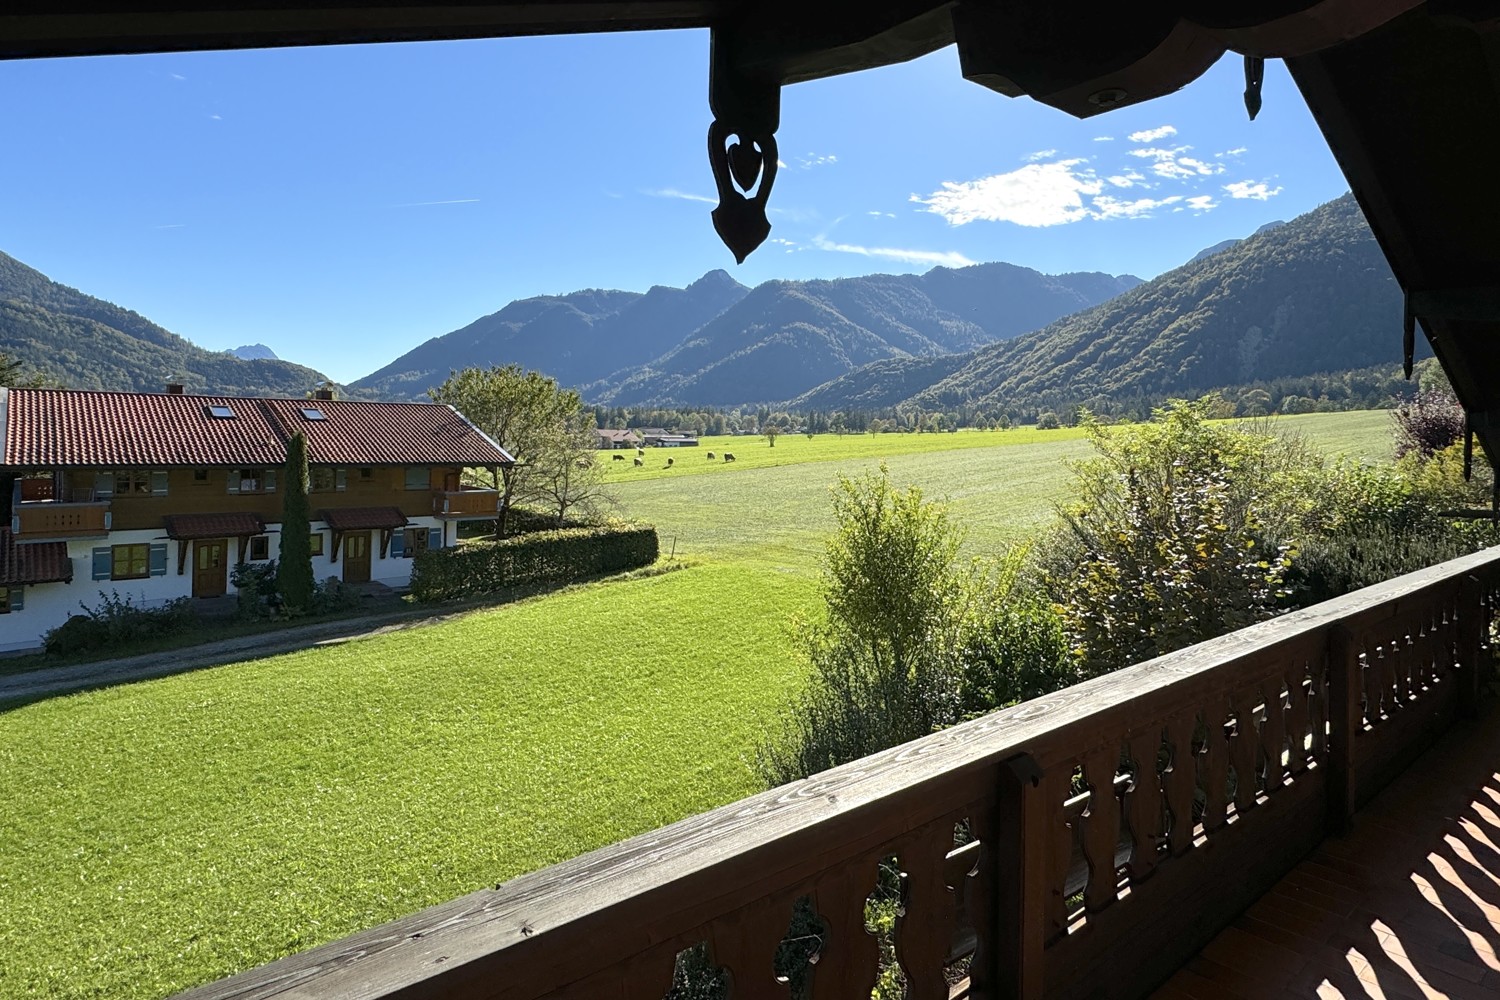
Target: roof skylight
x,y
221,412
312,413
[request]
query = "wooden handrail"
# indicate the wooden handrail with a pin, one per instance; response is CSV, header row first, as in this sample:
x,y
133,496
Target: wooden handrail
x,y
1231,747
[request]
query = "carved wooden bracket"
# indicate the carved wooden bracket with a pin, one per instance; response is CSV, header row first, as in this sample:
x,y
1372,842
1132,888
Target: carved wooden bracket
x,y
741,147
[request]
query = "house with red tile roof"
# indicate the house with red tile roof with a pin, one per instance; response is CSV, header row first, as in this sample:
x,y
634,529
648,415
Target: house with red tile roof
x,y
154,496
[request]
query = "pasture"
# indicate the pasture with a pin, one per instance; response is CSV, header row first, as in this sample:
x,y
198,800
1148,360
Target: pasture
x,y
166,833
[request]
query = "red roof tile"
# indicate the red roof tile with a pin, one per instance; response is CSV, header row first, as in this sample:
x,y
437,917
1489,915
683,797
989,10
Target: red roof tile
x,y
235,525
48,428
33,562
362,518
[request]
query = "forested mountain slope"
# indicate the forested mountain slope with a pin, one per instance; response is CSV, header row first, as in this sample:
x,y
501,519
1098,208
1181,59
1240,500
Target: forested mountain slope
x,y
88,343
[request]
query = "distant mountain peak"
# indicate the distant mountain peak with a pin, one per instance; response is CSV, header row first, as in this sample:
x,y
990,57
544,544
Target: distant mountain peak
x,y
717,278
253,352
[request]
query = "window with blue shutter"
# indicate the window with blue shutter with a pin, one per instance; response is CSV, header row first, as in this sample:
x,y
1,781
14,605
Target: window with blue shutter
x,y
104,484
398,543
270,480
17,598
159,483
103,563
159,559
340,479
234,480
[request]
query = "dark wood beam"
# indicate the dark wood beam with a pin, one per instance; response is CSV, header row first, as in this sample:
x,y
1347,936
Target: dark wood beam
x,y
31,29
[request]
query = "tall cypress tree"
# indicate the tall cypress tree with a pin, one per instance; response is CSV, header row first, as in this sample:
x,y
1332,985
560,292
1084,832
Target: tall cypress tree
x,y
294,575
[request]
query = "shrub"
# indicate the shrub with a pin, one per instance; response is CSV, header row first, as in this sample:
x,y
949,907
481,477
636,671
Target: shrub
x,y
118,622
1178,535
886,656
1017,647
1432,421
255,588
566,555
1328,566
1047,421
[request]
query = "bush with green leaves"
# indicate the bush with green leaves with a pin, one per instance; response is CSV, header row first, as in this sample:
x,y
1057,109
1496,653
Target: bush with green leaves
x,y
1178,533
1016,646
567,555
255,586
118,622
887,652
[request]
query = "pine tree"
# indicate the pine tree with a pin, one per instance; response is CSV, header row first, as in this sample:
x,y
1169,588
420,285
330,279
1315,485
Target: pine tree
x,y
294,575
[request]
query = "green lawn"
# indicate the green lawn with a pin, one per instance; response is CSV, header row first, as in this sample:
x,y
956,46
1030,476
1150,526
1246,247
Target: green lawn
x,y
166,833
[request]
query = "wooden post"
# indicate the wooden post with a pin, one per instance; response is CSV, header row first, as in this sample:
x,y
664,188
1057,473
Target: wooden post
x,y
1472,623
1345,720
1021,873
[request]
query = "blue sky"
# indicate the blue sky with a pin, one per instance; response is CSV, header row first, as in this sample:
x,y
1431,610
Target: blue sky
x,y
344,204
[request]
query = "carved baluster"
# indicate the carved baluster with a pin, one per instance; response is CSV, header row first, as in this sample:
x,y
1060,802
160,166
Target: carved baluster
x,y
1317,704
1401,663
1215,761
983,894
1056,788
1180,781
744,943
1244,748
924,924
1143,803
1101,828
1370,673
849,961
1390,695
1273,733
1298,714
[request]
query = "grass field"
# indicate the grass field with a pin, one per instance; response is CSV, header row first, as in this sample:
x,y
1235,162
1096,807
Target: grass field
x,y
165,833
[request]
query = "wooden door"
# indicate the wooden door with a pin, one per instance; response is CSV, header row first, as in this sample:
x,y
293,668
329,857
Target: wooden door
x,y
210,567
357,557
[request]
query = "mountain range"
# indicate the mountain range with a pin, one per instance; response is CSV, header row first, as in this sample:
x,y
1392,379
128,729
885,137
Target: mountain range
x,y
719,343
88,343
1311,295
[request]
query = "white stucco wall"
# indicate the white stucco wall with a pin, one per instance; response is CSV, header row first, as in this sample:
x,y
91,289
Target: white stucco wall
x,y
48,605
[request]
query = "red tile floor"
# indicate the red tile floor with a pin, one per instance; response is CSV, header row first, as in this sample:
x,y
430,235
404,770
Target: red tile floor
x,y
1406,905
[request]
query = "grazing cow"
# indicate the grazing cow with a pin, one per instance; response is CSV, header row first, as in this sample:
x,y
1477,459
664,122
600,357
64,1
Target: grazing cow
x,y
618,458
669,463
728,457
640,451
640,462
710,456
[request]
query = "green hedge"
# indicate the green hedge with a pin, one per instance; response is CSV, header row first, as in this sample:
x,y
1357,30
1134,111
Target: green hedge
x,y
564,556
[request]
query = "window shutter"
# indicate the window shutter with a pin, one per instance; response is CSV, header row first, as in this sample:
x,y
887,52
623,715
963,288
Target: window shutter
x,y
270,481
159,483
159,559
17,598
398,543
340,479
103,564
104,484
234,480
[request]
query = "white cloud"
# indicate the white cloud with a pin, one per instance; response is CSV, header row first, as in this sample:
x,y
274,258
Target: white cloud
x,y
814,160
1049,194
1106,207
882,215
1171,164
177,76
449,201
949,258
172,225
1104,138
1236,151
1259,190
781,164
1041,154
217,118
1128,179
1152,134
681,195
1202,203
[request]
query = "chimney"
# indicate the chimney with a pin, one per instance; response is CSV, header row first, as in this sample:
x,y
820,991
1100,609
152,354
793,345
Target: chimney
x,y
323,394
174,388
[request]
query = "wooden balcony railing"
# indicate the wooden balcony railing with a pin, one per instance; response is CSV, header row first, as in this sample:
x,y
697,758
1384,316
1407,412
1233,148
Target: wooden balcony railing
x,y
465,503
60,520
1110,830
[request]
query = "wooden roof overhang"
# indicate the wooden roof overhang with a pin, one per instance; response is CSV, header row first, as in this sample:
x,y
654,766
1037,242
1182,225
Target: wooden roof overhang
x,y
1407,93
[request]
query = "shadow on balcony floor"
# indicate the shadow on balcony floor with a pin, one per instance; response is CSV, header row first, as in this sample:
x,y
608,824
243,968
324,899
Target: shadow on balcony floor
x,y
1407,905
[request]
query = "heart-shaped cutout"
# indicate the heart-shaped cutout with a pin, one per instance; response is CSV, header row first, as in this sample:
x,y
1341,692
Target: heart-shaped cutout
x,y
744,163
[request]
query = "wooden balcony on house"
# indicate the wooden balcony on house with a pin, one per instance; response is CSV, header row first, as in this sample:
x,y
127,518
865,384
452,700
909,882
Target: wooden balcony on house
x,y
1088,843
52,519
461,504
